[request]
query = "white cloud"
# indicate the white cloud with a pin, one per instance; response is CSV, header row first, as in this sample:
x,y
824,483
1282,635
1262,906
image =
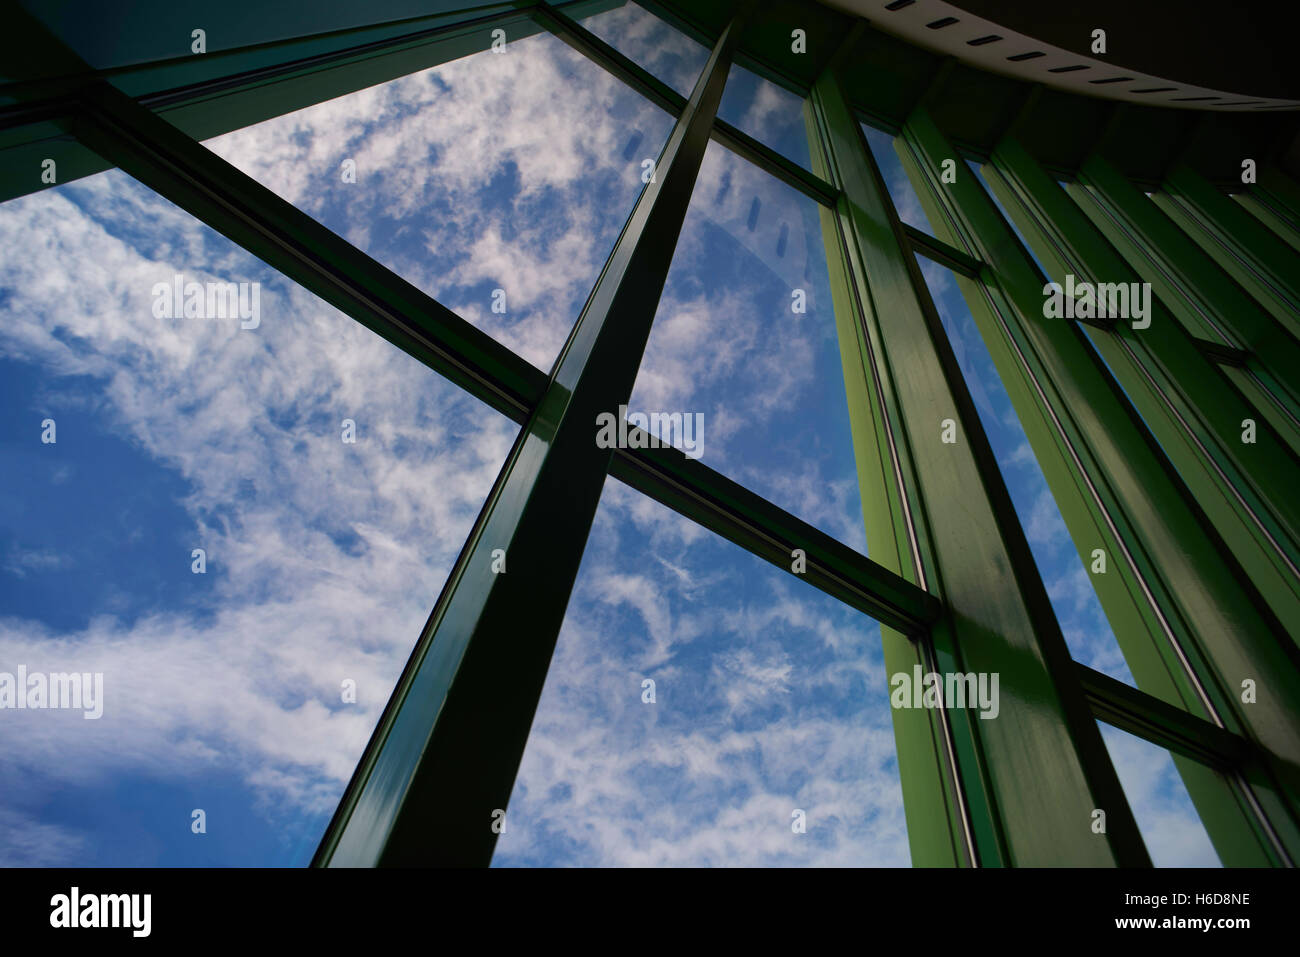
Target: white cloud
x,y
769,698
431,152
324,559
247,681
1166,818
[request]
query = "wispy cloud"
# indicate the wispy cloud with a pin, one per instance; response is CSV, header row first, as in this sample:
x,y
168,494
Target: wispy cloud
x,y
770,698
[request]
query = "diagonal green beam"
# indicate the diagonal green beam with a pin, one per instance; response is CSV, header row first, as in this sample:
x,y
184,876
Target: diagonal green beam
x,y
1184,397
1212,763
737,514
1153,720
736,140
1029,780
301,248
1281,193
1191,624
448,746
1264,265
943,253
1204,299
194,178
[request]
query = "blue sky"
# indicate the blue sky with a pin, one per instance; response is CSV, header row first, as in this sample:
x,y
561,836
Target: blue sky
x,y
510,171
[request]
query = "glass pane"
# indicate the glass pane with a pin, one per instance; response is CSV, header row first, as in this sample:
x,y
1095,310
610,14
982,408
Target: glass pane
x,y
745,338
1166,817
768,112
327,478
652,44
1069,584
497,183
769,698
900,187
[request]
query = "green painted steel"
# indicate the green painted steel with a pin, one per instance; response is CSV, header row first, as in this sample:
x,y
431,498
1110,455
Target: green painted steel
x,y
1184,584
1190,406
1006,304
1264,265
1171,728
1059,390
1196,608
737,514
938,827
1280,192
1265,209
1202,296
1030,779
953,258
449,744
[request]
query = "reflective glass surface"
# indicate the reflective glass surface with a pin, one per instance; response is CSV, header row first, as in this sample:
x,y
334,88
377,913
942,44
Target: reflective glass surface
x,y
229,517
745,339
497,183
770,113
651,44
705,708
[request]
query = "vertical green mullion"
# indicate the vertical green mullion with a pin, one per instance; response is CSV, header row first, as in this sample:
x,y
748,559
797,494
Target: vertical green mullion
x,y
1191,407
936,822
1187,280
1047,407
943,830
1040,769
443,760
1263,265
1209,607
1002,302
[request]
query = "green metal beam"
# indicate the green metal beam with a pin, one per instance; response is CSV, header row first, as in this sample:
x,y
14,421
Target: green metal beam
x,y
1209,760
1006,304
1190,623
1029,781
307,252
947,255
1192,408
1203,298
1263,265
448,746
737,514
1151,719
738,141
941,826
